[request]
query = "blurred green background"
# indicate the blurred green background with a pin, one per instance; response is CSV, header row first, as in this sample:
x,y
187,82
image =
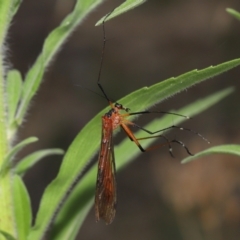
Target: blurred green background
x,y
158,198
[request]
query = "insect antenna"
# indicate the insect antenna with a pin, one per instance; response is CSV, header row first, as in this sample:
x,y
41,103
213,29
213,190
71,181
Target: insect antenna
x,y
102,56
90,90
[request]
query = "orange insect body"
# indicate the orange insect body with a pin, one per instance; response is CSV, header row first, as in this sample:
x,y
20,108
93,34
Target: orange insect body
x,y
106,195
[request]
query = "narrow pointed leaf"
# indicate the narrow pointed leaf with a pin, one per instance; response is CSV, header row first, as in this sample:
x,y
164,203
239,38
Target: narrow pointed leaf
x,y
51,46
26,163
222,149
22,208
82,196
124,7
6,236
8,160
234,13
16,5
14,90
87,142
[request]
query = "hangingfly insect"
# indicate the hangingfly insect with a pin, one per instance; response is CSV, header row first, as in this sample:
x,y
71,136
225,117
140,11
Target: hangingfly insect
x,y
106,194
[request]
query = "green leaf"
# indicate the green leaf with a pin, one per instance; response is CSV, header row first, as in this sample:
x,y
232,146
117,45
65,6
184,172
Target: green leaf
x,y
191,109
14,151
5,18
223,149
79,202
6,236
52,45
70,229
22,208
5,13
14,90
124,7
26,163
87,142
16,5
234,13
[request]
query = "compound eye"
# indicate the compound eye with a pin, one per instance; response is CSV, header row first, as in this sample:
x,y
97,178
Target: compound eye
x,y
118,105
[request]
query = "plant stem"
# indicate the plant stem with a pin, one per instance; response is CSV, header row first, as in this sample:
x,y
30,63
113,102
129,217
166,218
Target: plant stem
x,y
6,206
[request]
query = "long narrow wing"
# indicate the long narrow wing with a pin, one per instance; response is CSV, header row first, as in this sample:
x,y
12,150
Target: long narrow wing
x,y
106,197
